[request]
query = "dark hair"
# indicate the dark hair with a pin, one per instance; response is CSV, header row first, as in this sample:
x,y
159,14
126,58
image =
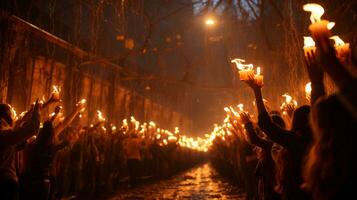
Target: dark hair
x,y
46,135
278,120
330,168
301,118
5,113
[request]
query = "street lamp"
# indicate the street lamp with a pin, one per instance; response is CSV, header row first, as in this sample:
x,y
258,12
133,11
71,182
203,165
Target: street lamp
x,y
210,21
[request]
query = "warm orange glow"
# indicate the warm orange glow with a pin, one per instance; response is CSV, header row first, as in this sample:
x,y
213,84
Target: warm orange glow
x,y
210,22
100,116
55,91
316,11
308,42
338,40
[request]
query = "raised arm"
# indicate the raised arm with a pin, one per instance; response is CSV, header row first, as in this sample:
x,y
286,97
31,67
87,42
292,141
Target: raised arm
x,y
252,134
21,134
68,120
274,132
346,83
316,77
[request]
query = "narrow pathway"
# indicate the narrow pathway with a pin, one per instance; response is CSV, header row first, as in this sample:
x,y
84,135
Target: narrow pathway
x,y
198,183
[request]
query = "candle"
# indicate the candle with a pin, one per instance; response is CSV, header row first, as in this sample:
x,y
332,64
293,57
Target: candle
x,y
308,90
100,116
245,70
342,48
240,106
114,128
318,27
258,78
309,45
55,92
289,101
81,103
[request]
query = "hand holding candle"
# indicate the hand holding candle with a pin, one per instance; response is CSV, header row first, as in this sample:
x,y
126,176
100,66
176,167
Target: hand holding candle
x,y
309,45
343,51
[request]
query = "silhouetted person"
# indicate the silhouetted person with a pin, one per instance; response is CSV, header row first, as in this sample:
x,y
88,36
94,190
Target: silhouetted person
x,y
9,138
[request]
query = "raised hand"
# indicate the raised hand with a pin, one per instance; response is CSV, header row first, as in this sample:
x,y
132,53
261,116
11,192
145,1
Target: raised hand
x,y
315,73
252,83
244,117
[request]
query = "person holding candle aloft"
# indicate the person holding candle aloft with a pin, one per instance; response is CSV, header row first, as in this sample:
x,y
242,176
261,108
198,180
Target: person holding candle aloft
x,y
265,168
296,140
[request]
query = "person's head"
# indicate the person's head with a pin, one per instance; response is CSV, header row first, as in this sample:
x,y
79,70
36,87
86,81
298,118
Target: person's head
x,y
46,134
330,159
301,118
278,120
6,116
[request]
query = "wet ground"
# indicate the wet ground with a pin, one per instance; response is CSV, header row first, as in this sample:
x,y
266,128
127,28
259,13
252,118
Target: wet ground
x,y
201,182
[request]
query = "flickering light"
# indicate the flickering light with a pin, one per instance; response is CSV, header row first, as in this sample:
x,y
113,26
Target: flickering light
x,y
210,22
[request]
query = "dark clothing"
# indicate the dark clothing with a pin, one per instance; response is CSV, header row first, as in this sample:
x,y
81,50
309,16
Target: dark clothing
x,y
297,146
133,168
8,189
265,167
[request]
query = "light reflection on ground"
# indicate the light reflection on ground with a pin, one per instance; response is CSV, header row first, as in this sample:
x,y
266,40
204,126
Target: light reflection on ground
x,y
198,183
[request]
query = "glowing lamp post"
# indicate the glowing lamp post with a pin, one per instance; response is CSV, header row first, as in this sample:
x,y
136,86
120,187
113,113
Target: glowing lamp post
x,y
210,22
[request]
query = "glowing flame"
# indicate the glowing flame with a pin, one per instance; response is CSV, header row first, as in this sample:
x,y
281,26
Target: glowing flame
x,y
308,42
338,40
240,66
100,116
210,22
288,98
13,112
114,128
308,88
330,25
316,11
164,141
83,101
240,106
258,71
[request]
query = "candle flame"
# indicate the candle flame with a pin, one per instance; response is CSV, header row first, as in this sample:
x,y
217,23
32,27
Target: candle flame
x,y
56,89
330,25
316,11
83,101
240,106
258,70
308,88
308,42
288,98
338,40
100,116
114,128
240,66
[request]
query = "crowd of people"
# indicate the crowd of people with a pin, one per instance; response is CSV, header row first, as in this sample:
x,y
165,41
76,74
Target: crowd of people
x,y
296,152
62,158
